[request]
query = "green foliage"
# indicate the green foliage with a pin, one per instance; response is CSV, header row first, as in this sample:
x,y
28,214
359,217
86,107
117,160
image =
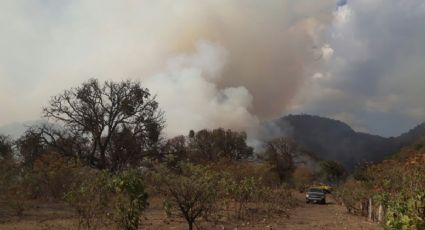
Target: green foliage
x,y
354,195
130,199
90,198
243,192
406,212
397,184
102,196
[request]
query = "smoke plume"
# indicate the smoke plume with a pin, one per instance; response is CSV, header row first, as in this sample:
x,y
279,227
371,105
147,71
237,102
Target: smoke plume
x,y
211,63
223,63
188,90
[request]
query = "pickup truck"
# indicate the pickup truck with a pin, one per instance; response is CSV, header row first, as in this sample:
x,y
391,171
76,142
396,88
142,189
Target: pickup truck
x,y
315,195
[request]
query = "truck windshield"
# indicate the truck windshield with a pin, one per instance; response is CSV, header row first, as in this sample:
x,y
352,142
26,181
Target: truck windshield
x,y
315,190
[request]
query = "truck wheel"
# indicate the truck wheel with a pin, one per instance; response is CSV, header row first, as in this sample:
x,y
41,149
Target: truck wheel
x,y
323,201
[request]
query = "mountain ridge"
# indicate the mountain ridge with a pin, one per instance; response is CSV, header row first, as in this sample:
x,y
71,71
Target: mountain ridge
x,y
331,139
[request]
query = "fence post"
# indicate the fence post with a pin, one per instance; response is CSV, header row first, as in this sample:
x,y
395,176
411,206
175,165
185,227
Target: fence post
x,y
380,213
370,210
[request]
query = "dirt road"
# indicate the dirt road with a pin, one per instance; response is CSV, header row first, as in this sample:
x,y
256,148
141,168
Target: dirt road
x,y
330,217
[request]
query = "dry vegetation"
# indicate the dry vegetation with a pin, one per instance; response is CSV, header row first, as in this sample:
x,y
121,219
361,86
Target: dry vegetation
x,y
104,156
104,165
396,186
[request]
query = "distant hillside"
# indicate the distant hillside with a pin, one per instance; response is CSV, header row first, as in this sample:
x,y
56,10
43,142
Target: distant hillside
x,y
334,140
412,136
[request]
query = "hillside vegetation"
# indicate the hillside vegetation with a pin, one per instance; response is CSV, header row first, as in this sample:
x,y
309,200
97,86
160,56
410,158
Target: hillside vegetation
x,y
103,160
396,186
330,139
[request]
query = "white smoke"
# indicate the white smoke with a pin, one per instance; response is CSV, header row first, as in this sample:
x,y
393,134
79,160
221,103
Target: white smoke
x,y
188,93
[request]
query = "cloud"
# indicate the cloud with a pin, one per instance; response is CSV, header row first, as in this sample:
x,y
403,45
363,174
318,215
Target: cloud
x,y
375,72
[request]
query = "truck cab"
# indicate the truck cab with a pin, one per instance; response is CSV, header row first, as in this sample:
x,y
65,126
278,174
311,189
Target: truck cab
x,y
315,195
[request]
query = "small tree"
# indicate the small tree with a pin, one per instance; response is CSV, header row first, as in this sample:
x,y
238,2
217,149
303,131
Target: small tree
x,y
130,199
333,171
30,147
102,196
13,186
90,198
279,152
213,145
193,193
244,192
175,150
13,181
52,175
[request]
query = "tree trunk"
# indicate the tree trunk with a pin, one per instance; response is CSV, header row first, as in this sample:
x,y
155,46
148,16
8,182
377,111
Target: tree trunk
x,y
190,225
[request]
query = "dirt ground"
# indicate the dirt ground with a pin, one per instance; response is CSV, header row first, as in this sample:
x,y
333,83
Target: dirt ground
x,y
330,217
304,216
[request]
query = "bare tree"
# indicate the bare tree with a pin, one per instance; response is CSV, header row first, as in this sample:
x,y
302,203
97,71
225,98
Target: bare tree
x,y
193,192
98,112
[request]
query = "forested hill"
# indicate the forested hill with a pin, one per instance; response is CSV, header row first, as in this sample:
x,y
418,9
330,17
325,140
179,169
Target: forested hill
x,y
334,140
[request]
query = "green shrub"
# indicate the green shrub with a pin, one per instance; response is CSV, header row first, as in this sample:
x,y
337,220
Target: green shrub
x,y
354,195
90,198
13,186
277,201
243,192
397,184
130,199
52,175
102,196
406,213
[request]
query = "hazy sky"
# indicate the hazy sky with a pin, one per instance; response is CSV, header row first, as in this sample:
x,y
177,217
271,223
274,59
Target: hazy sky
x,y
223,63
